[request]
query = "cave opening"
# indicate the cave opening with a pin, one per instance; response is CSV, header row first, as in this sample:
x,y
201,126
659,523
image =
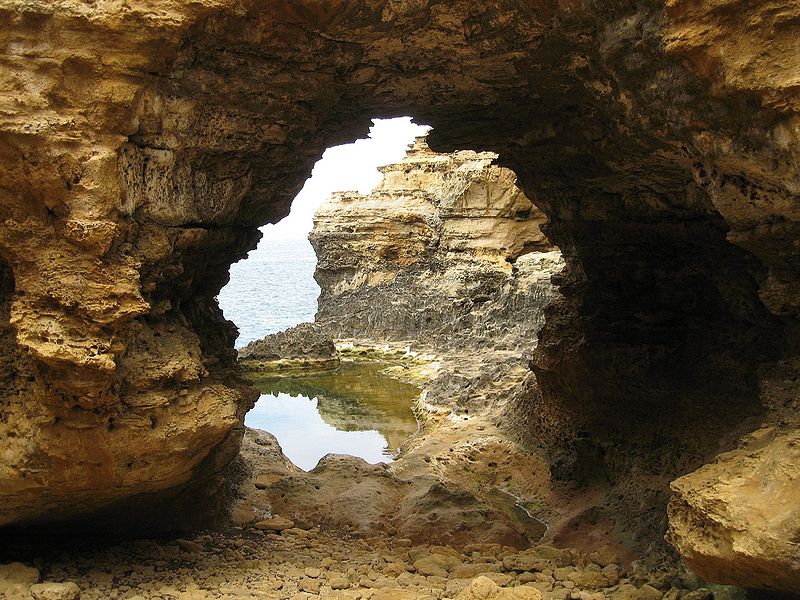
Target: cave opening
x,y
352,410
663,157
432,284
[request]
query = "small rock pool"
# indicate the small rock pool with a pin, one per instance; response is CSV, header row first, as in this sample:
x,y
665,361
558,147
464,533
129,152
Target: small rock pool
x,y
355,410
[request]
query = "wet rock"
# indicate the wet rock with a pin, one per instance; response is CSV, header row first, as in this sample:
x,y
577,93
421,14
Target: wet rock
x,y
300,348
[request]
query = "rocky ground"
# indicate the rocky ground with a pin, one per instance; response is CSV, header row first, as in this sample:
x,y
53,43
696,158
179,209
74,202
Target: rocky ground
x,y
452,517
459,480
301,348
284,560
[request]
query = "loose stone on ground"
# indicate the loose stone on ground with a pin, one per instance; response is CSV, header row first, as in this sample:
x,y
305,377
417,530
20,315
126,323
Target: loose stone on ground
x,y
255,564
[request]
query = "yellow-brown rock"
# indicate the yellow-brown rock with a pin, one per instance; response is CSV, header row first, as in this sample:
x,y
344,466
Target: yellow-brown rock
x,y
483,588
143,142
446,252
735,520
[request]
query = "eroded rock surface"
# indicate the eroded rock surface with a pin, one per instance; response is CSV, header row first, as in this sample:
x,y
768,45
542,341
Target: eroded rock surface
x,y
742,510
143,142
447,252
302,347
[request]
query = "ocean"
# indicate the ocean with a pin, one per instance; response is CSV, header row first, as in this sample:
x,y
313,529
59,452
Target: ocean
x,y
346,413
272,290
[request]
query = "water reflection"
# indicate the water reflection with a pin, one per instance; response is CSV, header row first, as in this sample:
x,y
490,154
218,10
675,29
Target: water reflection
x,y
354,410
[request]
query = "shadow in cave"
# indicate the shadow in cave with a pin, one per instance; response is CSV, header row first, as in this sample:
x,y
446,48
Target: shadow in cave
x,y
8,342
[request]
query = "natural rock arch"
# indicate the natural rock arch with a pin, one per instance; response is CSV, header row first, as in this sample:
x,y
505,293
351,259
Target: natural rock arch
x,y
143,146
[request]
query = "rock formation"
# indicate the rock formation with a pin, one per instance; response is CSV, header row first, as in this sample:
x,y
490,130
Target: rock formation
x,y
742,509
141,144
303,347
446,253
446,258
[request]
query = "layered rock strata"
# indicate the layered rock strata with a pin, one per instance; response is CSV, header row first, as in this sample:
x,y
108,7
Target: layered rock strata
x,y
446,253
143,142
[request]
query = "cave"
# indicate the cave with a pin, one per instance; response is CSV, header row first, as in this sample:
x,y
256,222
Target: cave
x,y
144,148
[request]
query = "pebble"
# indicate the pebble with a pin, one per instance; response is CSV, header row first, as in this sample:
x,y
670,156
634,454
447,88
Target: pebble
x,y
339,583
309,585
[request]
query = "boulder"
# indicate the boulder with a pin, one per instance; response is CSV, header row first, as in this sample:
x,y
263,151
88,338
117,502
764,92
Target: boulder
x,y
56,591
16,578
276,523
737,521
483,588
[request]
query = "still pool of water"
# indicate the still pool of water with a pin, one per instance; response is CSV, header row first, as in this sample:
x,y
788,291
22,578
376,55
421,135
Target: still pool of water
x,y
353,410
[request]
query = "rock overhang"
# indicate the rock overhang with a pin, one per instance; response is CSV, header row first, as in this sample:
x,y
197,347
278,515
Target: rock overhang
x,y
143,145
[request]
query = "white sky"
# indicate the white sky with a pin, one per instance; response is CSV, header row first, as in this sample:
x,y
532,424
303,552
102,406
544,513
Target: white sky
x,y
351,167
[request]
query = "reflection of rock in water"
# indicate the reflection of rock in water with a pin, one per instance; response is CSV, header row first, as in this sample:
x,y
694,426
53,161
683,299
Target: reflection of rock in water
x,y
355,397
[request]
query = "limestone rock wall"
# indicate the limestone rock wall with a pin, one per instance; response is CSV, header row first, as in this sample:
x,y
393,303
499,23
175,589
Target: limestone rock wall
x,y
446,253
141,143
119,377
